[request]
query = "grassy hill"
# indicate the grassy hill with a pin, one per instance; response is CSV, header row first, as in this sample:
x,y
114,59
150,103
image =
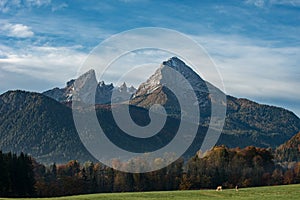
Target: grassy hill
x,y
261,193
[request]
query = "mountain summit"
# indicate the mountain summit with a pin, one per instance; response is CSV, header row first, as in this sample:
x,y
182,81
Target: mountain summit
x,y
176,74
162,76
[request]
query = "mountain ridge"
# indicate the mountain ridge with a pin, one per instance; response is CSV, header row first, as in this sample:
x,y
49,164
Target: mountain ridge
x,y
247,122
103,92
263,125
31,121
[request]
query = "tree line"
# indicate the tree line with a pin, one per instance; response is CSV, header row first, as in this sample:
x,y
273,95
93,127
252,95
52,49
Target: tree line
x,y
16,175
246,167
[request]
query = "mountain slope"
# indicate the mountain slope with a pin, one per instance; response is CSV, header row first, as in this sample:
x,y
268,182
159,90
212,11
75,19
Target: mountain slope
x,y
183,82
36,124
44,128
247,122
290,150
264,125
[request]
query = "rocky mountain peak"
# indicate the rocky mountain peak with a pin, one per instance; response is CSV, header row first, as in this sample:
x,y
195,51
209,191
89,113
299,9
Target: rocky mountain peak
x,y
174,62
70,83
182,68
88,80
164,74
123,87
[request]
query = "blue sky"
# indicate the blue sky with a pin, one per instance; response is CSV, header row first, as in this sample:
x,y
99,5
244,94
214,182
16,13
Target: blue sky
x,y
254,43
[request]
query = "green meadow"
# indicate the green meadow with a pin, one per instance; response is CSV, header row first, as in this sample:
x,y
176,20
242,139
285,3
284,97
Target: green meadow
x,y
286,192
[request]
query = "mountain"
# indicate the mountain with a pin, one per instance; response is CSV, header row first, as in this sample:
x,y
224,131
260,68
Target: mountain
x,y
173,74
290,150
247,123
40,126
250,123
103,93
44,127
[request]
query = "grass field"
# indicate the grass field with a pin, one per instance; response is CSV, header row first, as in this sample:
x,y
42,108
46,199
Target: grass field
x,y
286,192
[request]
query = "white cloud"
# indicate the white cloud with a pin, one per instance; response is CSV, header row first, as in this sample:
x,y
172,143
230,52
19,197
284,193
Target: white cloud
x,y
264,3
257,3
54,65
255,69
285,2
59,7
133,1
16,30
13,5
37,3
6,5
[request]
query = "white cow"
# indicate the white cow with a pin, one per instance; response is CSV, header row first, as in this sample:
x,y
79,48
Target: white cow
x,y
236,188
219,188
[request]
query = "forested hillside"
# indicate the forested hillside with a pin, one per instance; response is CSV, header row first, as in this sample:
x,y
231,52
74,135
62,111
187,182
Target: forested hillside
x,y
40,126
290,150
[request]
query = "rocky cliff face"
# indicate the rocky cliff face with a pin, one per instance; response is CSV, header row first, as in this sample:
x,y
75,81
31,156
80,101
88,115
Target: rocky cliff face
x,y
103,93
166,74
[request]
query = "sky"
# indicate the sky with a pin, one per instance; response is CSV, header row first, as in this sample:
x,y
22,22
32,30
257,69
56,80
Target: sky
x,y
255,44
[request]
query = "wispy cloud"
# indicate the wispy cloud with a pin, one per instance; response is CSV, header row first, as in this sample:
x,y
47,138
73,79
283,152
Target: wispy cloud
x,y
295,3
254,67
37,3
50,65
9,5
264,3
257,69
257,3
16,30
59,7
133,1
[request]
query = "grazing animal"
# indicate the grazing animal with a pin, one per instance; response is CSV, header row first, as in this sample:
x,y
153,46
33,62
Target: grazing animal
x,y
219,188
